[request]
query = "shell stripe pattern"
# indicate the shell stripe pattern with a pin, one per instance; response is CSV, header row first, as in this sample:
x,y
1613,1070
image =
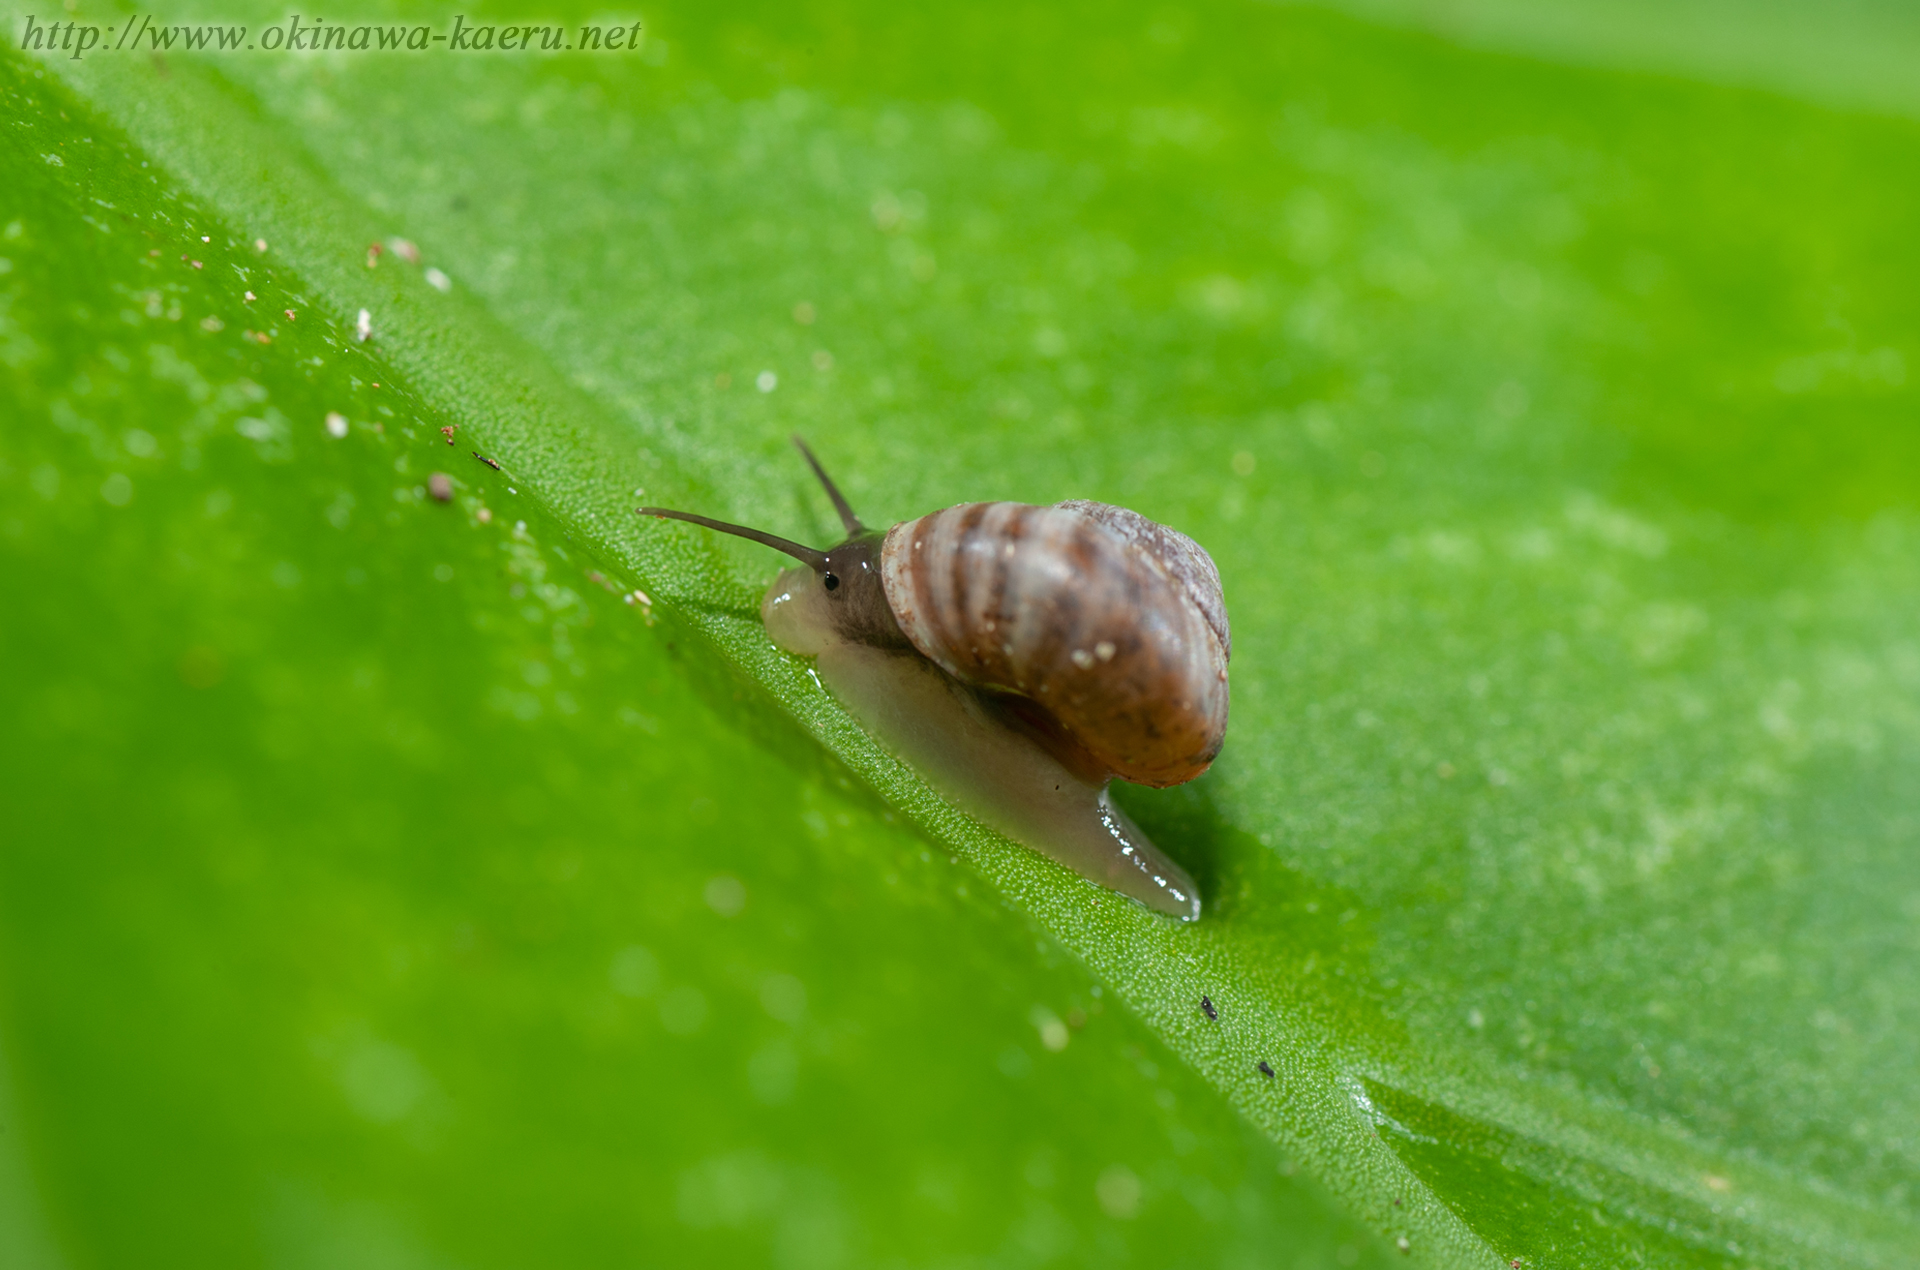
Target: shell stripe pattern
x,y
1096,625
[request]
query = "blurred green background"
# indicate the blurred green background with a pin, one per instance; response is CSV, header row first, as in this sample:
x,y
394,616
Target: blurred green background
x,y
389,882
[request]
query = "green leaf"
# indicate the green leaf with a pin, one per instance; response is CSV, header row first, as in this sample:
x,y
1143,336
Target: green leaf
x,y
384,889
1550,428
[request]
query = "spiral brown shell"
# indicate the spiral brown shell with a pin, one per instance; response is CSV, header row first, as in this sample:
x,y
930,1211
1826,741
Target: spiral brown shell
x,y
1115,625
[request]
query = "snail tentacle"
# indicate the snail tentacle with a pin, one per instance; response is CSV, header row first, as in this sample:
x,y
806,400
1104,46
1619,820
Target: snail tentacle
x,y
840,504
806,555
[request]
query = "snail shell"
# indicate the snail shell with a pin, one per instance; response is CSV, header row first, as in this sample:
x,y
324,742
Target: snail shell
x,y
1020,657
1114,624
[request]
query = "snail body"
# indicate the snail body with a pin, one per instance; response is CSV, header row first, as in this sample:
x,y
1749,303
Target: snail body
x,y
1022,657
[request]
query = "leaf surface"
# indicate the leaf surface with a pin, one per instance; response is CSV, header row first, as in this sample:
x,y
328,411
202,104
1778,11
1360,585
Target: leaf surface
x,y
1545,425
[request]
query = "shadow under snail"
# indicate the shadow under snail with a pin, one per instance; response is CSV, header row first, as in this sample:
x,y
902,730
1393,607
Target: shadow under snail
x,y
1021,657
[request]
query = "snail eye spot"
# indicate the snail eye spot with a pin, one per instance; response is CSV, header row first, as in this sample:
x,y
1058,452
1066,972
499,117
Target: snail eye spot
x,y
830,581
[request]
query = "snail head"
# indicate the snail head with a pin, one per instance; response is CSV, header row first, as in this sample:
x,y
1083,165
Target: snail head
x,y
848,573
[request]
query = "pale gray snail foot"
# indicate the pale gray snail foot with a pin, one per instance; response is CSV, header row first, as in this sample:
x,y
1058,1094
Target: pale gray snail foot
x,y
997,775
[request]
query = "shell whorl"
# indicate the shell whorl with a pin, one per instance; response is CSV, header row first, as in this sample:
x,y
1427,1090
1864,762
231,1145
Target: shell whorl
x,y
1114,624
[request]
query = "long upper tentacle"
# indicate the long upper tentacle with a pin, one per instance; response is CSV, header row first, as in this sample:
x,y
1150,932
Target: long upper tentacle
x,y
806,555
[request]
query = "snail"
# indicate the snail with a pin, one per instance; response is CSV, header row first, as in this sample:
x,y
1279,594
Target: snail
x,y
1022,657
